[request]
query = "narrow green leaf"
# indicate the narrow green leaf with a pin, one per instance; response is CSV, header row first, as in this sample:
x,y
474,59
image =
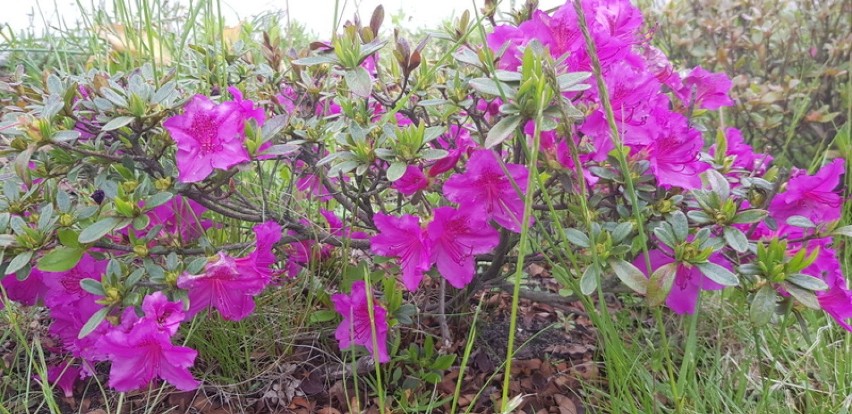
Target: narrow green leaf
x,y
718,274
736,239
804,296
630,275
92,286
396,171
750,216
577,237
502,130
660,283
801,221
807,282
60,259
589,280
98,229
158,199
763,305
18,262
117,123
93,322
359,82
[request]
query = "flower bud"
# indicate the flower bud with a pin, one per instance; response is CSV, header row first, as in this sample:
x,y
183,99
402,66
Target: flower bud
x,y
66,220
163,184
129,186
141,250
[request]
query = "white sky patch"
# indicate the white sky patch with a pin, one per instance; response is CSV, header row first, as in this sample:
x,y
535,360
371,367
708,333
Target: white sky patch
x,y
316,15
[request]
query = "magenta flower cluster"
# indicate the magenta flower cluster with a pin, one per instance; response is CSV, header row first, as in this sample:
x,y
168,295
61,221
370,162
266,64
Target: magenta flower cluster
x,y
481,196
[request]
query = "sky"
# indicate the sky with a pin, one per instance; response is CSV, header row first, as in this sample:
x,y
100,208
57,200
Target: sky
x,y
317,15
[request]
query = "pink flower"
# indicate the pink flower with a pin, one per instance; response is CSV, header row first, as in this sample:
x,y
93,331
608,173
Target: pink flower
x,y
228,284
812,196
674,155
63,288
837,303
167,315
485,188
744,156
247,107
64,375
29,291
357,327
403,237
456,236
144,353
688,283
412,181
711,89
208,136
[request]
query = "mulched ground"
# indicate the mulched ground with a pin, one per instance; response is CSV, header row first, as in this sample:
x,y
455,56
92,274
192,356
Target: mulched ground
x,y
559,346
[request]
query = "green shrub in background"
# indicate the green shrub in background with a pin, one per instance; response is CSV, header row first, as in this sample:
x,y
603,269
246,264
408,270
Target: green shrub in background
x,y
789,60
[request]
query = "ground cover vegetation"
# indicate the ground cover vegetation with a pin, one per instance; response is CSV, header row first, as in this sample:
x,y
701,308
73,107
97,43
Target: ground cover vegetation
x,y
546,211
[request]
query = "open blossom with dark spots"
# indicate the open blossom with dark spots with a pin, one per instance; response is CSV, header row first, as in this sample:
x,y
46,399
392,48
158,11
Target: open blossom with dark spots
x,y
167,315
357,327
229,285
63,288
486,189
710,90
146,352
209,136
675,154
811,196
403,237
455,237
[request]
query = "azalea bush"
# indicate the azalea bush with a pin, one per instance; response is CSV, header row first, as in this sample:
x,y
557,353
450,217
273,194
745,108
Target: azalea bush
x,y
373,172
788,60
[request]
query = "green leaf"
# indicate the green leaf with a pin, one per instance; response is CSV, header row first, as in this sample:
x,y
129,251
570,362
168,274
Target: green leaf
x,y
622,231
490,87
98,229
630,275
432,154
680,225
314,60
577,237
660,283
763,305
359,82
749,216
322,316
158,199
736,239
801,221
842,231
92,286
665,236
502,130
589,280
117,123
719,184
60,259
93,322
396,171
718,274
804,296
807,281
18,262
444,362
